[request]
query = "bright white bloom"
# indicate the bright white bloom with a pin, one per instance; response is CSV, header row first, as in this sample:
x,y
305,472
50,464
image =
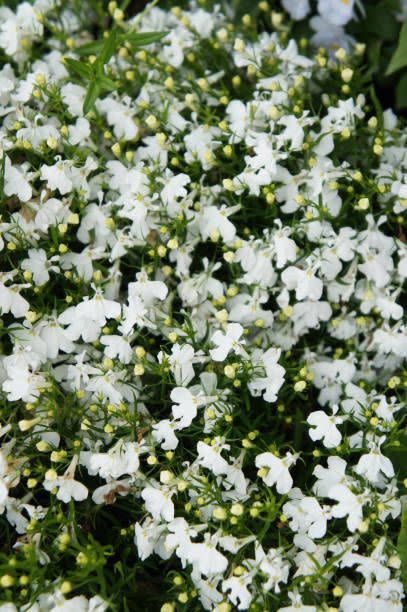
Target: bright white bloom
x,y
158,503
277,470
324,427
226,342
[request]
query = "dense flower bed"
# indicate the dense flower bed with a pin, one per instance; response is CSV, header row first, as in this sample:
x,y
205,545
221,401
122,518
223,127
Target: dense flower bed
x,y
202,331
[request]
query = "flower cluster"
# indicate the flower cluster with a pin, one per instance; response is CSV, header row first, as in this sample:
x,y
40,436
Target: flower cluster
x,y
328,23
201,318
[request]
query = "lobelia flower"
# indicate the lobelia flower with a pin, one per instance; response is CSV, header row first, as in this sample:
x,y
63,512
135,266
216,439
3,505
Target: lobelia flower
x,y
329,477
349,505
173,190
237,589
12,301
205,558
306,516
22,384
15,181
277,470
273,380
372,464
39,265
228,341
180,361
148,538
122,458
274,567
337,12
158,502
67,487
164,433
120,116
305,283
58,176
117,346
146,289
186,405
324,427
214,219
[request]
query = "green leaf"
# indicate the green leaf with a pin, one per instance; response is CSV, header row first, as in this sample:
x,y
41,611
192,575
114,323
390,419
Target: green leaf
x,y
143,38
92,48
401,92
79,68
2,174
399,58
402,546
91,96
105,83
379,21
108,49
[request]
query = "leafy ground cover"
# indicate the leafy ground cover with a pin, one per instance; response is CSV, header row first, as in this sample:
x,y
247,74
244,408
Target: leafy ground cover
x,y
201,293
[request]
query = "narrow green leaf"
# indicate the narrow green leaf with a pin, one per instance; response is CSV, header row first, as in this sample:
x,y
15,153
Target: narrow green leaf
x,y
78,68
2,174
91,96
92,48
402,546
401,92
399,58
108,49
139,39
105,83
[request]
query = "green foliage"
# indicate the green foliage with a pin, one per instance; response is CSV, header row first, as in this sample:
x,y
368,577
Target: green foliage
x,y
402,546
105,48
399,59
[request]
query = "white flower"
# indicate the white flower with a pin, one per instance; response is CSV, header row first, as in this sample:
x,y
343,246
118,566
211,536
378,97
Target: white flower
x,y
180,361
12,301
298,9
39,265
214,219
19,26
277,472
372,464
79,132
58,176
273,380
164,434
305,283
338,12
158,503
73,96
120,116
226,342
239,594
122,458
67,487
306,516
146,289
185,407
206,559
147,537
23,384
275,568
349,505
329,477
117,346
324,427
15,182
210,457
174,190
